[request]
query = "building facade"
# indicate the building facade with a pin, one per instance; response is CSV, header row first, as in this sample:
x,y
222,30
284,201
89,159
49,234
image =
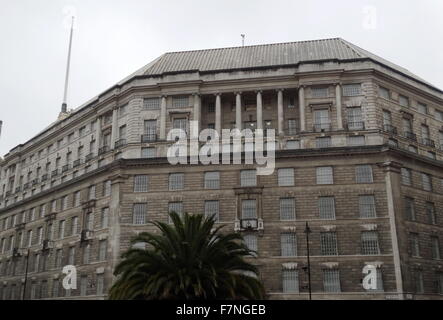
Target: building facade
x,y
359,157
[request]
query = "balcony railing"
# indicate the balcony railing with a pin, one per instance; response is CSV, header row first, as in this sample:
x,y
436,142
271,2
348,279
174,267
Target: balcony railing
x,y
44,177
428,142
410,135
322,127
356,125
120,143
89,157
65,168
390,129
103,149
249,224
149,137
76,163
54,173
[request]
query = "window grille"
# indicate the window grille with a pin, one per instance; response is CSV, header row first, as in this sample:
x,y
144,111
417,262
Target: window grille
x,y
287,209
212,208
176,181
363,174
351,90
367,206
288,244
369,243
151,103
331,280
324,175
212,180
286,177
141,183
139,213
248,178
326,207
290,281
328,243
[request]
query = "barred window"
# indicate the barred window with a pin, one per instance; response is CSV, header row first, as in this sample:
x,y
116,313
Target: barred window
x,y
430,211
212,180
251,241
139,213
249,209
104,217
290,281
403,100
326,207
141,183
356,141
352,90
355,119
211,107
325,175
369,243
288,244
328,243
414,244
363,174
102,250
435,247
409,209
151,103
383,92
292,144
426,182
406,176
323,142
180,102
212,208
379,281
248,178
419,283
367,206
286,177
287,209
176,181
320,92
292,127
149,153
331,280
176,207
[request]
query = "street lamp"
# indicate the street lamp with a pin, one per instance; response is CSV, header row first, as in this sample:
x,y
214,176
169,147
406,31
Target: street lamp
x,y
308,231
17,254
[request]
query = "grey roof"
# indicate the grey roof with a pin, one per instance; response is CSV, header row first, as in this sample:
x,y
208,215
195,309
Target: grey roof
x,y
262,56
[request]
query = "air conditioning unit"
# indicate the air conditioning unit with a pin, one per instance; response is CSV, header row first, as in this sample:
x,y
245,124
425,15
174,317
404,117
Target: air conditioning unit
x,y
86,235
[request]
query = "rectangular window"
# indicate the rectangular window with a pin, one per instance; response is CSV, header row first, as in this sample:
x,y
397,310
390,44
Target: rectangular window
x,y
86,253
248,178
383,92
100,284
91,192
71,256
212,208
83,285
322,120
151,103
292,127
403,100
363,174
176,181
287,209
328,243
354,141
414,244
141,183
286,177
426,182
355,119
430,212
435,247
89,221
406,176
324,175
251,241
351,90
58,258
326,207
74,225
409,209
369,243
149,153
61,229
323,142
331,280
180,102
422,108
288,244
104,217
249,210
322,92
387,119
65,203
290,281
139,213
103,247
123,110
176,207
212,180
367,206
107,188
419,283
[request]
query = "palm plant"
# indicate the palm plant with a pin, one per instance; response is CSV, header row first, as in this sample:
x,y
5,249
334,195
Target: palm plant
x,y
189,259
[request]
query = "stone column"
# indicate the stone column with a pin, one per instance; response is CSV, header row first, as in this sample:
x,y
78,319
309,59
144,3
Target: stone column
x,y
163,119
301,105
115,133
280,112
338,106
238,110
259,110
197,111
98,136
218,113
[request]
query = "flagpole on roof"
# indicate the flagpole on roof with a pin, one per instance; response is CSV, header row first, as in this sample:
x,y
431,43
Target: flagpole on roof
x,y
65,94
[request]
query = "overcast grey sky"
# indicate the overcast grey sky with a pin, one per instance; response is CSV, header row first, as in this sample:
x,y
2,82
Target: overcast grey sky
x,y
115,38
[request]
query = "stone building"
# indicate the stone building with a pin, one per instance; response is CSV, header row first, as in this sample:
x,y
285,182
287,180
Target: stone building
x,y
359,151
